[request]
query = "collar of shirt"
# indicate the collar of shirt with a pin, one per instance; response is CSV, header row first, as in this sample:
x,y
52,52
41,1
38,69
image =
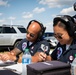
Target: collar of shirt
x,y
30,43
67,47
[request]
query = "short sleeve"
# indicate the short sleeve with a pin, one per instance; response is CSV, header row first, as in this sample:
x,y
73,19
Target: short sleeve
x,y
44,46
19,46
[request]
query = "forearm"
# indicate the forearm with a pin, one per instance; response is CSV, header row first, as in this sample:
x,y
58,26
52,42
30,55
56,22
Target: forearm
x,y
15,51
34,59
40,57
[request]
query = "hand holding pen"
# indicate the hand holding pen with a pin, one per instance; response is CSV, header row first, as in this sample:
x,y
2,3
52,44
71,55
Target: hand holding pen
x,y
42,56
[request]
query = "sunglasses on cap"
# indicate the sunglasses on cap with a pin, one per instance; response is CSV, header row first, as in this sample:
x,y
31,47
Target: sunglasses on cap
x,y
31,35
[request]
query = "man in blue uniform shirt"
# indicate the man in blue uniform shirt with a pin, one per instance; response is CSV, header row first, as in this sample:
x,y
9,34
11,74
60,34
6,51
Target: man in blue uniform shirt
x,y
33,41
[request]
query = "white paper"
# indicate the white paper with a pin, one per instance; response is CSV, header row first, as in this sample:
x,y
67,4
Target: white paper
x,y
16,67
1,62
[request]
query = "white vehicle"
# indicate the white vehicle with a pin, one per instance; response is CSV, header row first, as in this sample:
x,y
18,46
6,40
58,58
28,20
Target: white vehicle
x,y
52,40
11,35
49,36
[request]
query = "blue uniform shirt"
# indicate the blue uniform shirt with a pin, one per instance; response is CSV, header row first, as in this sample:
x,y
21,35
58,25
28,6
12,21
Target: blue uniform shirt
x,y
39,46
60,53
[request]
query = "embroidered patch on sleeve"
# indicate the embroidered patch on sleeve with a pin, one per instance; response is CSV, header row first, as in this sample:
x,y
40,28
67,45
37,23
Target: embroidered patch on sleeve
x,y
44,47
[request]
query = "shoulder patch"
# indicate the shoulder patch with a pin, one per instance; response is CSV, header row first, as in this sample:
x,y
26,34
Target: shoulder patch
x,y
59,52
24,45
44,47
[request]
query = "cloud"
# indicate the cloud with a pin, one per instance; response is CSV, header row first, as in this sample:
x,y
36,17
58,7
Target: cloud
x,y
1,21
49,26
27,15
1,14
34,11
68,11
12,18
57,3
4,3
38,10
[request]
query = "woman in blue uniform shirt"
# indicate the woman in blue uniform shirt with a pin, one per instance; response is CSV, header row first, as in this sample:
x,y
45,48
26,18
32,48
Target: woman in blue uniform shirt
x,y
64,31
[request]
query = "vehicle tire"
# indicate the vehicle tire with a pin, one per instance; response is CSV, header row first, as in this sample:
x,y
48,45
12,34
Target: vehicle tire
x,y
16,43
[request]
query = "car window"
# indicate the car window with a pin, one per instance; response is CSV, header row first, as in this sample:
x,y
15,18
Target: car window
x,y
48,34
22,30
8,30
0,29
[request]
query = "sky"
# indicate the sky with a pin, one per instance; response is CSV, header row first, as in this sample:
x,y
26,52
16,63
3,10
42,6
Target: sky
x,y
20,12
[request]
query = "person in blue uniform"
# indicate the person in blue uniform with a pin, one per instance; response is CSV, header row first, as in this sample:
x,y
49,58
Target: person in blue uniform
x,y
33,41
65,32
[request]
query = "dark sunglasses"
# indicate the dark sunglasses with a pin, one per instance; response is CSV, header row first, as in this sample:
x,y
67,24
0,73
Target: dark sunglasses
x,y
58,36
31,35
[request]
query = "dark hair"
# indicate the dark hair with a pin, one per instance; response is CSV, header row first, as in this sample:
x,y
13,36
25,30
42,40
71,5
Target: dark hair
x,y
67,22
74,6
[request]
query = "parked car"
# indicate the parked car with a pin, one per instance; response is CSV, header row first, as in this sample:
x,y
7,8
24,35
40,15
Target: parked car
x,y
11,35
49,36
